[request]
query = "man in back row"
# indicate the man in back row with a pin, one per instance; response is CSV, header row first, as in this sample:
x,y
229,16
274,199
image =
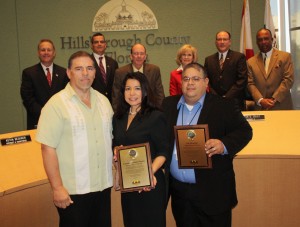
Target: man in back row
x,y
138,57
106,66
41,81
227,70
271,75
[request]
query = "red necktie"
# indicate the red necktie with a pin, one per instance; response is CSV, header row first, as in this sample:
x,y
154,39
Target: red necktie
x,y
49,77
102,70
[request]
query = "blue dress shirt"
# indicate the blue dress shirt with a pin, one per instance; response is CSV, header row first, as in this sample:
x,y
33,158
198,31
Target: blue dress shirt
x,y
187,115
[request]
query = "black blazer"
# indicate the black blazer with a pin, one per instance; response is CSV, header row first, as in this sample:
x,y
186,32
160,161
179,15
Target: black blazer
x,y
217,185
35,90
231,81
141,130
98,84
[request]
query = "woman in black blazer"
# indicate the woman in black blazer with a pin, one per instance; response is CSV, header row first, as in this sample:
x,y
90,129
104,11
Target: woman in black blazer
x,y
138,120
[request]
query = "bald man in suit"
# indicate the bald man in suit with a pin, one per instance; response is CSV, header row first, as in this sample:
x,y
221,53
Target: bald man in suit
x,y
35,89
270,75
138,57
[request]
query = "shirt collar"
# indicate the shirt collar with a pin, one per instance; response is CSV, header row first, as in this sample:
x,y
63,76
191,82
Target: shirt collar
x,y
180,68
97,56
71,92
45,67
268,53
224,54
182,101
138,70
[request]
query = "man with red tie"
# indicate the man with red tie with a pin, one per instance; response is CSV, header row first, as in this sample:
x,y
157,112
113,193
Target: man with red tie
x,y
41,81
107,66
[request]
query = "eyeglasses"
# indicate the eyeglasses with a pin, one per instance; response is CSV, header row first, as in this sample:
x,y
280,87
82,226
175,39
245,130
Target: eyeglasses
x,y
194,79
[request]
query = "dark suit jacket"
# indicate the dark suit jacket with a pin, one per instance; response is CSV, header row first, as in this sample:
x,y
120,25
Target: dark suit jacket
x,y
35,90
231,81
152,72
216,187
276,83
141,130
98,84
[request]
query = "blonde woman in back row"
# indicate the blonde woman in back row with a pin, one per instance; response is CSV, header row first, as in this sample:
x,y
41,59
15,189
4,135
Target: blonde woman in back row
x,y
185,55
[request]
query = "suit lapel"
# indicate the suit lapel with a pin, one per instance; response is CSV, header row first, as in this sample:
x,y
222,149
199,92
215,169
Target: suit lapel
x,y
123,122
134,123
55,77
227,59
172,113
146,70
205,109
173,117
130,68
108,69
273,60
260,64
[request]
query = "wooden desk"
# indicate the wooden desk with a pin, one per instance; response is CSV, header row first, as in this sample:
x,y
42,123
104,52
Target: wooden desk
x,y
25,194
266,176
267,173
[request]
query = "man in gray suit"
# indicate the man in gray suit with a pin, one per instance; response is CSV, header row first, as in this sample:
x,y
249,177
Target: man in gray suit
x,y
270,75
152,72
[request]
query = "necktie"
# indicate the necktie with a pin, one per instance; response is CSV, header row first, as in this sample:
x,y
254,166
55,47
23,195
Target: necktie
x,y
221,61
265,62
49,76
102,70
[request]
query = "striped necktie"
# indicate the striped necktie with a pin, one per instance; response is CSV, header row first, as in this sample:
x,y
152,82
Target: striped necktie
x,y
103,74
221,61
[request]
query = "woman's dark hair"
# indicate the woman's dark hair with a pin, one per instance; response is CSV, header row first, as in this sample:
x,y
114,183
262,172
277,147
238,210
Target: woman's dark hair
x,y
149,101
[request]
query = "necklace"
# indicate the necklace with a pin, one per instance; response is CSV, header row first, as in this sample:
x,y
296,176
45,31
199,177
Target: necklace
x,y
132,113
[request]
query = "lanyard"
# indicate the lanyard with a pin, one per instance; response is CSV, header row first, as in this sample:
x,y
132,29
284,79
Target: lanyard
x,y
193,116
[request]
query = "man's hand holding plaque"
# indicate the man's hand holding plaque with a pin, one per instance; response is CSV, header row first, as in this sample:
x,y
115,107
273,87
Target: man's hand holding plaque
x,y
190,144
134,168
